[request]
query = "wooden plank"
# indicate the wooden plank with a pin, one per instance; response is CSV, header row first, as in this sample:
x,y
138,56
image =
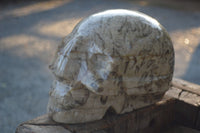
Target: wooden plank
x,y
173,92
185,114
198,121
186,86
181,129
26,128
179,106
149,119
190,98
187,107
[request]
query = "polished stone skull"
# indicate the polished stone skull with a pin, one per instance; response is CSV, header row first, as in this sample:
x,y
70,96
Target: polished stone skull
x,y
116,59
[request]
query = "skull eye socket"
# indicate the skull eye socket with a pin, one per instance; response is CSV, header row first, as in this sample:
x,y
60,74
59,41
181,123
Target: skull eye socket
x,y
60,79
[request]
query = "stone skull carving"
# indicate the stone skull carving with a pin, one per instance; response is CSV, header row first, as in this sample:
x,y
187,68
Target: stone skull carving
x,y
116,59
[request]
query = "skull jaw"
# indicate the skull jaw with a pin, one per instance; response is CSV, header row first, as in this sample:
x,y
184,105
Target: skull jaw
x,y
74,116
97,105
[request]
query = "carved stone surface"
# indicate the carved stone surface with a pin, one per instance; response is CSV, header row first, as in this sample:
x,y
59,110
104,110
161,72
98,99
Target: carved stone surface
x,y
116,59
